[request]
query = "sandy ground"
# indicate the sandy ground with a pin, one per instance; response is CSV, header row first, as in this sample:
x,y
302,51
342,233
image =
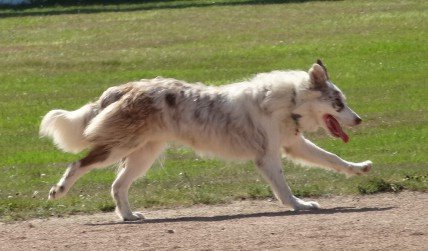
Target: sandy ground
x,y
378,222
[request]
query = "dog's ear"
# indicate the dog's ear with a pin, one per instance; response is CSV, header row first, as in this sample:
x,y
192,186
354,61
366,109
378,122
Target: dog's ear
x,y
318,75
323,66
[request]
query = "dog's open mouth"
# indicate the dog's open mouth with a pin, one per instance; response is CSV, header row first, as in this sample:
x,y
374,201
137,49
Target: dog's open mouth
x,y
335,128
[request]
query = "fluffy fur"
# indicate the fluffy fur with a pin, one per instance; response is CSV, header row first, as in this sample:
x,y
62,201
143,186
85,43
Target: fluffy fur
x,y
257,120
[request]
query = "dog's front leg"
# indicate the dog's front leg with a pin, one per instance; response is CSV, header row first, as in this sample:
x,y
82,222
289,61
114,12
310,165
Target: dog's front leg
x,y
270,166
304,149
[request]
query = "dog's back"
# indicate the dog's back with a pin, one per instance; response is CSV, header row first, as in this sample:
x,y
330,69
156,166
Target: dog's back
x,y
206,118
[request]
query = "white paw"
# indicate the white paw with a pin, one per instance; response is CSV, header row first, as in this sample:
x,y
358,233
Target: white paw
x,y
56,192
135,216
363,167
300,204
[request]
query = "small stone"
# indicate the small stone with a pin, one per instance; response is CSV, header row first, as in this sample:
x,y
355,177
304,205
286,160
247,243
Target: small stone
x,y
30,225
170,231
35,194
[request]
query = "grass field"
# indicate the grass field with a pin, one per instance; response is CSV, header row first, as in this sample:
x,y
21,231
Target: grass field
x,y
63,57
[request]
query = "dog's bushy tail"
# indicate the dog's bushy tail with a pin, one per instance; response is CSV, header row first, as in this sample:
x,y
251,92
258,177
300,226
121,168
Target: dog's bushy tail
x,y
66,127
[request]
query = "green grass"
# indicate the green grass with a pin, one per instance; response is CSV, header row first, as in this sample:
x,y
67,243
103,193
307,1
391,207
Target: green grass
x,y
53,57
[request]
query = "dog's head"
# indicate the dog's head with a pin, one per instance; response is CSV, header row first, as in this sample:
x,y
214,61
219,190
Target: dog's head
x,y
324,105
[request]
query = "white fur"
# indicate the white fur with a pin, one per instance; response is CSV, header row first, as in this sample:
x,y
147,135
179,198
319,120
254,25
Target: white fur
x,y
252,120
66,128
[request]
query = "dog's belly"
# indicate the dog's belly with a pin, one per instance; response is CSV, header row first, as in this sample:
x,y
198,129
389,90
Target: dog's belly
x,y
224,147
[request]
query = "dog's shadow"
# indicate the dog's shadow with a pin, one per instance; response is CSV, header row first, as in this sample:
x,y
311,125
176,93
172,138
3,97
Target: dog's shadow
x,y
334,210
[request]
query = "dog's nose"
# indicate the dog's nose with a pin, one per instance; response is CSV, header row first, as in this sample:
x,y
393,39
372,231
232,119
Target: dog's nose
x,y
358,121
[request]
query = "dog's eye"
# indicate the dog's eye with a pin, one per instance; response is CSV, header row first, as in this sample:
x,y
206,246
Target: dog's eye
x,y
338,104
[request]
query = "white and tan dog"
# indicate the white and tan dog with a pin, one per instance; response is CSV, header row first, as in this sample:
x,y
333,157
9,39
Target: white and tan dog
x,y
254,120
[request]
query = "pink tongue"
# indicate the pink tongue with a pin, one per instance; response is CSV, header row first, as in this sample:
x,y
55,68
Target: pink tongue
x,y
344,137
336,129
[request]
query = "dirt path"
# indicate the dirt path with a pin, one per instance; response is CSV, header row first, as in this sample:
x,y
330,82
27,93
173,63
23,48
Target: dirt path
x,y
378,222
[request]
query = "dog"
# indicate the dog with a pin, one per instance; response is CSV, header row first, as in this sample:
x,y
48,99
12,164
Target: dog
x,y
259,119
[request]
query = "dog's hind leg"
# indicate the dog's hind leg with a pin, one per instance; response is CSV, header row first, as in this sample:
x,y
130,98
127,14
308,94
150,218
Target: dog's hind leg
x,y
270,166
99,156
135,165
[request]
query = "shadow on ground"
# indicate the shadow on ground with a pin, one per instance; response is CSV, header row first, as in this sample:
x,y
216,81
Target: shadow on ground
x,y
98,6
251,215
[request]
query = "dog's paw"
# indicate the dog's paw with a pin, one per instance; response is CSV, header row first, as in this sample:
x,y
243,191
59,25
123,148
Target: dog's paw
x,y
56,192
366,166
359,168
363,167
135,216
305,205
